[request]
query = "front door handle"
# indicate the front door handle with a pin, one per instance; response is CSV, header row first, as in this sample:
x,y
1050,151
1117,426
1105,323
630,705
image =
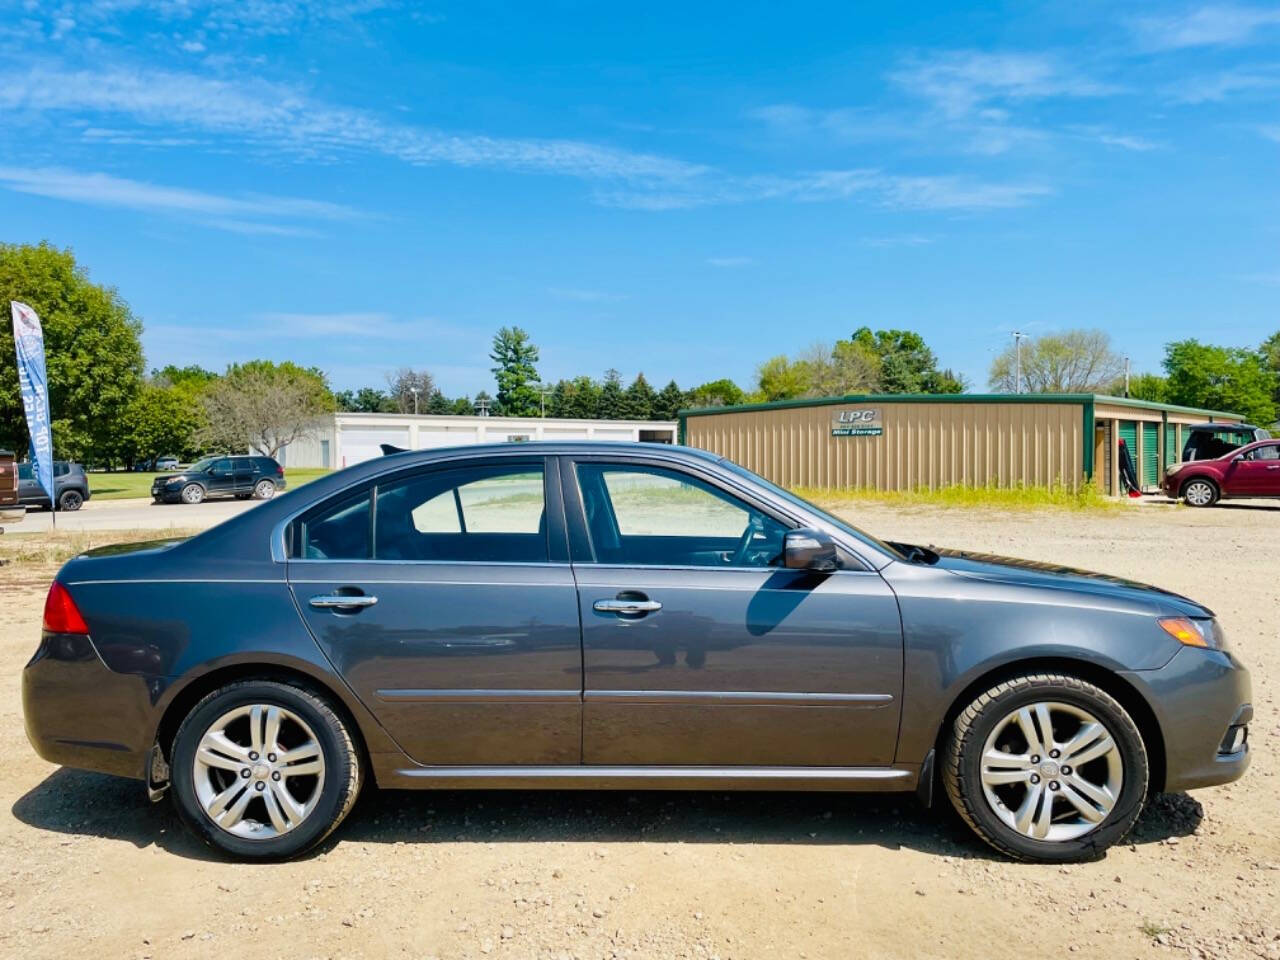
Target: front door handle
x,y
626,606
340,601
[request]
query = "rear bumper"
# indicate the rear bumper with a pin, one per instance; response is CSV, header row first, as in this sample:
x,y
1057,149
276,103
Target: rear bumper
x,y
1198,697
80,714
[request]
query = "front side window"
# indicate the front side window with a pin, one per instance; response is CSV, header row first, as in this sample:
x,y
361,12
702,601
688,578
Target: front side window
x,y
1268,452
651,516
482,514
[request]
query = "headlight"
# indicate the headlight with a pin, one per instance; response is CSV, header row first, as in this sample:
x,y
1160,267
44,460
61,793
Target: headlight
x,y
1173,468
1194,632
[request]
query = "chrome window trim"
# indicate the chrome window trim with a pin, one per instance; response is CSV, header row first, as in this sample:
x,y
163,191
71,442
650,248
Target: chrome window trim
x,y
742,697
409,695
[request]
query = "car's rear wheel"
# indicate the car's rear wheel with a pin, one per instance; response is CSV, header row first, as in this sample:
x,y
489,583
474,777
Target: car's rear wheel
x,y
264,770
264,490
192,493
70,500
1199,493
1047,767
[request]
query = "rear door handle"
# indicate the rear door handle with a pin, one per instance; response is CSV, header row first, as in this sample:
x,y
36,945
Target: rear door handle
x,y
340,601
626,606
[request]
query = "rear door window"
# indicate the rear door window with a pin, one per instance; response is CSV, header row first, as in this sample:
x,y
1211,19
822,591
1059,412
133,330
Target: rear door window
x,y
338,530
482,514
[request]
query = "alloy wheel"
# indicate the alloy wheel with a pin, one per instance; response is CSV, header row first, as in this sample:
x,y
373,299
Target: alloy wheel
x,y
192,493
1198,493
71,500
1051,771
265,490
258,771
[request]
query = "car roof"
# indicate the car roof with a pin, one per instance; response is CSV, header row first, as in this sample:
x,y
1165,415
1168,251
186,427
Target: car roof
x,y
1221,427
549,448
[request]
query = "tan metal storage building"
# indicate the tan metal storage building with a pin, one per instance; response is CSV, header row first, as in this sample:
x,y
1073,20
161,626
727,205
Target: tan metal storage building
x,y
910,441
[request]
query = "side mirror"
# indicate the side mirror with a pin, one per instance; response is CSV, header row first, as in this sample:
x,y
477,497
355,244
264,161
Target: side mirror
x,y
808,549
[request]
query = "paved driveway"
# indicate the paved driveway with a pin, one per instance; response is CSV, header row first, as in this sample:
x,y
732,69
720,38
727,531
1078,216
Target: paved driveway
x,y
139,514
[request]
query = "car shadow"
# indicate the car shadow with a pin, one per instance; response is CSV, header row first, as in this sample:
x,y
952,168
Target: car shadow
x,y
91,804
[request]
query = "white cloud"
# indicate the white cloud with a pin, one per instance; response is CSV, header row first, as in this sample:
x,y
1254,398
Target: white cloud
x,y
287,119
1215,88
1271,132
241,214
960,82
1206,26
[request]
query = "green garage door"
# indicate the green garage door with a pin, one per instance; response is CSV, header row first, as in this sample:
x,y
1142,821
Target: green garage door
x,y
1129,434
1170,443
1150,455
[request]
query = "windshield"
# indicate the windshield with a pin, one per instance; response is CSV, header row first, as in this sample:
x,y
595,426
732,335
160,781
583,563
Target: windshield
x,y
201,465
834,521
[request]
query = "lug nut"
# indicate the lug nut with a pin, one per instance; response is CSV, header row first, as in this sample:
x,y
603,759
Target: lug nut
x,y
1054,754
260,785
253,754
1053,785
1066,771
275,774
1035,757
244,772
271,757
1035,778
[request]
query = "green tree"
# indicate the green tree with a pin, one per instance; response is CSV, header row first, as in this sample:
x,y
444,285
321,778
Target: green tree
x,y
612,402
463,407
640,399
583,401
1270,351
439,404
837,369
364,400
1148,386
264,406
907,365
780,378
93,352
1221,378
669,402
515,358
160,420
717,393
1074,361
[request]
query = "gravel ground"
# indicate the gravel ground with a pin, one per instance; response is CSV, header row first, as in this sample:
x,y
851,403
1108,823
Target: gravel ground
x,y
89,868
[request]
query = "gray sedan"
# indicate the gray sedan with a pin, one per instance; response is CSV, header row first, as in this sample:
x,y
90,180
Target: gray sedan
x,y
593,615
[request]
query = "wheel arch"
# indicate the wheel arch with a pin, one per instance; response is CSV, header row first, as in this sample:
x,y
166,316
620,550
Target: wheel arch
x,y
1208,478
195,691
1124,692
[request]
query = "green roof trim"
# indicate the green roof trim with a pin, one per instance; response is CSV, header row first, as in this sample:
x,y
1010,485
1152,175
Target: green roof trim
x,y
1083,399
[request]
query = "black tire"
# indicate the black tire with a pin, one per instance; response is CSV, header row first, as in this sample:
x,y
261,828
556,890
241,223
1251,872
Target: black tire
x,y
1200,492
192,493
337,795
264,490
71,500
962,766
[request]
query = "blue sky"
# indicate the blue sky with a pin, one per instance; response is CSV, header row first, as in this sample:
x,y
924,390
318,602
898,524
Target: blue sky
x,y
682,189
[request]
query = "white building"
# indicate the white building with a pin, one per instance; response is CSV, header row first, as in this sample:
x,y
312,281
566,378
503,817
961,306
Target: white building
x,y
349,438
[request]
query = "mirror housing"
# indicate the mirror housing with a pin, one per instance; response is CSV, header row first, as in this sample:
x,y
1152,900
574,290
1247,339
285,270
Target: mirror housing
x,y
809,549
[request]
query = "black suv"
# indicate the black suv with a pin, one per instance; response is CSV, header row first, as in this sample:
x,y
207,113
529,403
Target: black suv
x,y
225,476
70,486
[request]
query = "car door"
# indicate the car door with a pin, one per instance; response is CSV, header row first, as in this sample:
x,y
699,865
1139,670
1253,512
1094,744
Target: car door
x,y
220,478
1256,473
444,598
29,489
699,648
244,472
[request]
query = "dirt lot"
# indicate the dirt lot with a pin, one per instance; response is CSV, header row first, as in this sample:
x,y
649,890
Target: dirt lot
x,y
89,868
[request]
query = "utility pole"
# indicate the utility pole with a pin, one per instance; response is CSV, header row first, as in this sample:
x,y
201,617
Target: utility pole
x,y
1126,376
543,390
482,407
1017,352
414,391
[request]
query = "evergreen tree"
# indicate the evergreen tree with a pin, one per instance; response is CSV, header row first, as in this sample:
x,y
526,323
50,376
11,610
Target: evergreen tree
x,y
439,404
463,407
583,401
515,358
640,399
613,400
667,405
558,399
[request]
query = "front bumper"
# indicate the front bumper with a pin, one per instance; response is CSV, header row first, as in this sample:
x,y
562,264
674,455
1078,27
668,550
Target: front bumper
x,y
1201,699
78,713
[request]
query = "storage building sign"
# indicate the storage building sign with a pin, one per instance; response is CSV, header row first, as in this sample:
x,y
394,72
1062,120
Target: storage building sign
x,y
860,422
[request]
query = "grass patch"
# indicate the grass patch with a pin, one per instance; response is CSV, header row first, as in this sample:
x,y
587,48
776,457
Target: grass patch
x,y
127,486
1153,930
1088,497
32,552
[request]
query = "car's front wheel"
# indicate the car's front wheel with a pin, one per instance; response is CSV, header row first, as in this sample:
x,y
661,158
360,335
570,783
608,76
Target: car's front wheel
x,y
1199,493
192,493
70,500
264,770
1047,767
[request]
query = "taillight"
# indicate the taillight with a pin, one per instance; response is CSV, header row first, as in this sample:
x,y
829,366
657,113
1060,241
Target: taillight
x,y
60,612
279,470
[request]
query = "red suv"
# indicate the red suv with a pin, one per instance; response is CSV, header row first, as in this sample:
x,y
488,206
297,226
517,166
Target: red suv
x,y
1248,471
